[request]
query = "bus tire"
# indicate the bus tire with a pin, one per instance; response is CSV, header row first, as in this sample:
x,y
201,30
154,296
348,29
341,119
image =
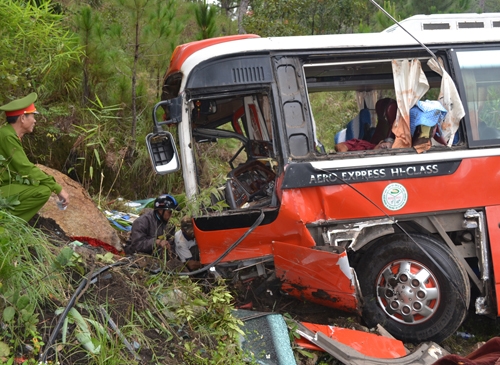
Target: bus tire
x,y
407,292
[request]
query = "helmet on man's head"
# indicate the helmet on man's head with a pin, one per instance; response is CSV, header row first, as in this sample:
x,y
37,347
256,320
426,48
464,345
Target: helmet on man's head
x,y
165,201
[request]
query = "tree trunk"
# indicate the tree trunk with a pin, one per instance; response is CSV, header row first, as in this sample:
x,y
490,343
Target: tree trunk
x,y
85,82
134,84
242,10
227,5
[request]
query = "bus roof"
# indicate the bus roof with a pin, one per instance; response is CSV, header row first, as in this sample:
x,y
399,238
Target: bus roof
x,y
194,53
462,21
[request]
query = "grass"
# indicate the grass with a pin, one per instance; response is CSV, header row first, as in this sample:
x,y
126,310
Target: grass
x,y
28,282
481,327
24,258
332,111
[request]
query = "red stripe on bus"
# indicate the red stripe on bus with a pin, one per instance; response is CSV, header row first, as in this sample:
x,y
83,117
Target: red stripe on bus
x,y
182,52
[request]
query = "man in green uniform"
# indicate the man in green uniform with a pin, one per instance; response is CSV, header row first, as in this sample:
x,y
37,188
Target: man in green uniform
x,y
18,176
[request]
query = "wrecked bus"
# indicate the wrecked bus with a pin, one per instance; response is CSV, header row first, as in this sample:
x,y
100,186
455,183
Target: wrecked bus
x,y
399,221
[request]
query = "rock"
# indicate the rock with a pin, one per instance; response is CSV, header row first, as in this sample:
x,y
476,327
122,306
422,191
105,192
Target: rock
x,y
82,218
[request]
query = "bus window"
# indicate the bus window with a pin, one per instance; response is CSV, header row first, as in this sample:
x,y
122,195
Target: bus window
x,y
354,107
235,133
481,84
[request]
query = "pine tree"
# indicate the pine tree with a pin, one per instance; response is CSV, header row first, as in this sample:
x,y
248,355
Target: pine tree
x,y
147,26
94,54
39,52
414,7
205,18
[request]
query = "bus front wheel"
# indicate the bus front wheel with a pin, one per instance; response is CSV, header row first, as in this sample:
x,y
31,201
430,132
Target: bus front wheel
x,y
414,287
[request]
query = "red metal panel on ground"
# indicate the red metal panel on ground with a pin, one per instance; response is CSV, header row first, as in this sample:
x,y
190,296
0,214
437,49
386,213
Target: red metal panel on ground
x,y
368,344
493,222
315,275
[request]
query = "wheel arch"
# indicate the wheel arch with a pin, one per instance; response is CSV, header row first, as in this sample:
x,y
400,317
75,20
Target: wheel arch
x,y
369,235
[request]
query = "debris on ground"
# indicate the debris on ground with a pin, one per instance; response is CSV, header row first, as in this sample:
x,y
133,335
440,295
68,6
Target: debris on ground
x,y
368,344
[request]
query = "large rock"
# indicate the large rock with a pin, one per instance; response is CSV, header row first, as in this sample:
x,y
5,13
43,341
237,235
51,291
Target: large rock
x,y
81,218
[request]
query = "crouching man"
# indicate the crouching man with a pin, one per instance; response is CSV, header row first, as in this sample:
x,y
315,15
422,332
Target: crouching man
x,y
185,245
151,232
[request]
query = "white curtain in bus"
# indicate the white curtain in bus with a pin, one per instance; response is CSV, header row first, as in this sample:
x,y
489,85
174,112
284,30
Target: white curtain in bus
x,y
368,99
470,85
410,85
472,100
450,99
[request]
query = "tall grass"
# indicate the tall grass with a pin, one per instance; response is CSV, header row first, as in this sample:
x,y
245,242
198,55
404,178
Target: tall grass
x,y
332,111
26,258
206,311
29,280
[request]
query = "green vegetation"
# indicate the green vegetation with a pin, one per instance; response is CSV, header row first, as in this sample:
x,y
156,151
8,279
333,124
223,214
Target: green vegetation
x,y
490,111
299,17
38,51
98,66
28,283
332,111
205,18
172,317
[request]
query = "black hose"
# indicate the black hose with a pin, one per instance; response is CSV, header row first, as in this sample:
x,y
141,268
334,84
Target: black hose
x,y
71,303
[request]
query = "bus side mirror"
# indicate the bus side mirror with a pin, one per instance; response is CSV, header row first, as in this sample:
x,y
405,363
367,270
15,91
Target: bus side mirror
x,y
172,115
163,152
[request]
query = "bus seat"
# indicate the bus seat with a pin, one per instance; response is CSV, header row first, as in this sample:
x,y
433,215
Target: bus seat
x,y
357,133
340,136
386,110
359,126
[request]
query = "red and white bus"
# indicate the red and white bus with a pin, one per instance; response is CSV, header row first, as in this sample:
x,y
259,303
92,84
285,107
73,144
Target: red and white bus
x,y
400,220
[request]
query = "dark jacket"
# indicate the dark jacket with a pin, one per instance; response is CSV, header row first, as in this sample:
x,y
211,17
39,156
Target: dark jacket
x,y
145,230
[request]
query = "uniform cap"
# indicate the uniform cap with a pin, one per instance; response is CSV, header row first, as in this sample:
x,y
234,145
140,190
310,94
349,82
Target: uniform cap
x,y
20,106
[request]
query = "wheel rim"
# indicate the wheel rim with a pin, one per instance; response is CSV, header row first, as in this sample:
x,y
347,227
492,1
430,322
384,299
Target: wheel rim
x,y
408,292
